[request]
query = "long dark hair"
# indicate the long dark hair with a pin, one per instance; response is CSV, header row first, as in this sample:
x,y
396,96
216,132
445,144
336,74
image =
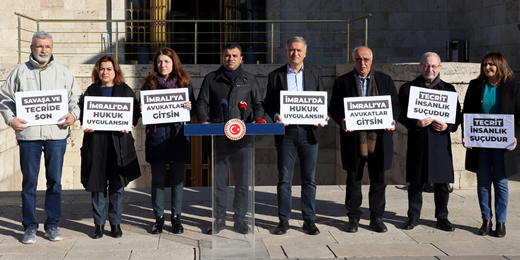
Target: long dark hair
x,y
119,79
183,79
504,73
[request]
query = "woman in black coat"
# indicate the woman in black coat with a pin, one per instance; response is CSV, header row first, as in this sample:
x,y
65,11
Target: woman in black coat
x,y
493,92
108,158
166,143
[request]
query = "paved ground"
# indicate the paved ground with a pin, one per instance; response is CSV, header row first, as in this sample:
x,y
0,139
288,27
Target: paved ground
x,y
425,242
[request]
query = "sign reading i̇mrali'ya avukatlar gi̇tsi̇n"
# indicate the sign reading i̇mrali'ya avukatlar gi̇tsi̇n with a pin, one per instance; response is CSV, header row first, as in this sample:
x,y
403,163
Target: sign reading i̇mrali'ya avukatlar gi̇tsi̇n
x,y
108,113
368,113
165,106
45,107
489,130
303,107
437,104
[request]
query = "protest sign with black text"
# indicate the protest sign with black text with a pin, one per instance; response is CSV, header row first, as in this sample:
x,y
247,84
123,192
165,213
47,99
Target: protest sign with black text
x,y
437,104
165,106
108,113
489,130
42,107
303,107
368,113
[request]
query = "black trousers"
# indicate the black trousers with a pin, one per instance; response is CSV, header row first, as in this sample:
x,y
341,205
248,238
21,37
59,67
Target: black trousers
x,y
376,194
238,154
441,196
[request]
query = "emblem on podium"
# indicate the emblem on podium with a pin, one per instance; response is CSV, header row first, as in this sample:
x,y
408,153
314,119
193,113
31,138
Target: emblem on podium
x,y
235,129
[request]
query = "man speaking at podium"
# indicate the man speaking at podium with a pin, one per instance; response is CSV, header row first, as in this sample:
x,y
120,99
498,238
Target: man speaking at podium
x,y
230,92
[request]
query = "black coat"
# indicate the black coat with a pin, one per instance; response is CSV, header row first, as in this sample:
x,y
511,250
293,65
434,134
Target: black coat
x,y
429,158
277,81
216,86
345,86
509,104
95,146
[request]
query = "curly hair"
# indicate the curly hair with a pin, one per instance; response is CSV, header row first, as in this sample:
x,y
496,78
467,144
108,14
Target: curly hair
x,y
183,79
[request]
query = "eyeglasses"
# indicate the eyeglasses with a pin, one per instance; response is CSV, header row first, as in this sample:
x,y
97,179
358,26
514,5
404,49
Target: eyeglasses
x,y
366,60
428,66
489,63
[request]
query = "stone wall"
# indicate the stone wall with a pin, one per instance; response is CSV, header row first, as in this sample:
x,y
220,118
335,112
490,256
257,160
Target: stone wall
x,y
329,170
402,30
399,30
87,38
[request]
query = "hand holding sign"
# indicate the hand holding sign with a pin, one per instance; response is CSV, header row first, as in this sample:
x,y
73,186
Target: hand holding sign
x,y
69,120
489,131
430,103
165,106
303,107
391,128
18,124
439,125
368,113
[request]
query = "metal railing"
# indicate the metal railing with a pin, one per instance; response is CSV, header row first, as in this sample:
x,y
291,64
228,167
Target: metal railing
x,y
68,37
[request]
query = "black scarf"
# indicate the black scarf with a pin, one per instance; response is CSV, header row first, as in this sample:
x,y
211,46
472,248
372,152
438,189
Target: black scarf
x,y
231,75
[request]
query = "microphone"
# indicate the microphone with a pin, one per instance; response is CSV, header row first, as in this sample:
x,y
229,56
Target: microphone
x,y
242,106
260,121
223,109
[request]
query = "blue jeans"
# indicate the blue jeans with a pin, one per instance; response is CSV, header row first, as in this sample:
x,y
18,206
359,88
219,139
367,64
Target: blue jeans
x,y
296,141
176,183
492,170
30,155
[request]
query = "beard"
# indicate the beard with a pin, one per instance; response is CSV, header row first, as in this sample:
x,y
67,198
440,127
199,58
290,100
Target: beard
x,y
430,77
42,57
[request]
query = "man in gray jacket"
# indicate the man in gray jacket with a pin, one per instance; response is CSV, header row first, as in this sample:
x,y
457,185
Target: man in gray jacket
x,y
40,73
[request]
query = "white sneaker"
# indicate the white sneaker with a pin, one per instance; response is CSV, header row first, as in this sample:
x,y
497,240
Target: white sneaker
x,y
53,234
29,236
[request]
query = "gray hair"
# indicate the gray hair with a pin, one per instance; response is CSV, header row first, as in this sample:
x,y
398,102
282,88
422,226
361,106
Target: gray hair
x,y
41,35
296,39
355,49
428,54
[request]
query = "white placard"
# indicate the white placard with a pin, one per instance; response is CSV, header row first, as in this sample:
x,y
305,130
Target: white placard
x,y
165,106
489,130
108,113
437,104
303,107
368,113
42,107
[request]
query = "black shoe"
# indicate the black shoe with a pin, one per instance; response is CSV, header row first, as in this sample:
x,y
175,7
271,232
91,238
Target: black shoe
x,y
177,227
310,227
98,232
485,228
158,226
445,224
500,229
378,225
282,227
410,223
241,227
352,225
116,231
221,224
